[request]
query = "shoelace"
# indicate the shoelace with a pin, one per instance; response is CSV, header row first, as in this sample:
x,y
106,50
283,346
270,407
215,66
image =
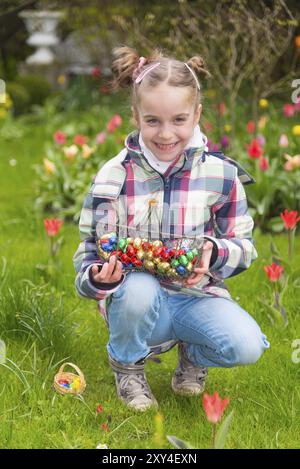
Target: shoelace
x,y
133,385
187,367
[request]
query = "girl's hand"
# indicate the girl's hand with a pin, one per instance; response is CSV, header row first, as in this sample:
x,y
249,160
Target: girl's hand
x,y
111,271
199,272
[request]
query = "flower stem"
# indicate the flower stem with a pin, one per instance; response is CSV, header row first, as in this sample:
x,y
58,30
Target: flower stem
x,y
214,431
290,244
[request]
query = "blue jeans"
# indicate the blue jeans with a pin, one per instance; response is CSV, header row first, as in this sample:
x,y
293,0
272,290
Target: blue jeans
x,y
217,331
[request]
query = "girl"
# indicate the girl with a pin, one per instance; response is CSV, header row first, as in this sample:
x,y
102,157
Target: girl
x,y
197,193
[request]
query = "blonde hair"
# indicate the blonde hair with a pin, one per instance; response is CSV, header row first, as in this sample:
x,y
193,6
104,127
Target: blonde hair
x,y
171,71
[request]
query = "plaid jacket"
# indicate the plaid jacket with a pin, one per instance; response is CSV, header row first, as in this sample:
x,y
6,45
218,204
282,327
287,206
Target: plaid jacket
x,y
200,195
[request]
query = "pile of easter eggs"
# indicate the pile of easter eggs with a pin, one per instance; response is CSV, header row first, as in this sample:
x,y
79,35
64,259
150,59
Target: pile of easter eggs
x,y
72,385
171,260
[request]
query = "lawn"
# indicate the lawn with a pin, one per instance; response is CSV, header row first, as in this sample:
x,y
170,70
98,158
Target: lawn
x,y
44,323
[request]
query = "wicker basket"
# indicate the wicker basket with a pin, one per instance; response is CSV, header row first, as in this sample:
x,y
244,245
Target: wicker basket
x,y
66,382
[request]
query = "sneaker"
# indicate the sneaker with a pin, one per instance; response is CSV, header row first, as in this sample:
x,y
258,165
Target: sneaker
x,y
188,379
132,386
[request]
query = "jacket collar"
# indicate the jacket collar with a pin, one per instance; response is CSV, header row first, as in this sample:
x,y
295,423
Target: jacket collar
x,y
187,160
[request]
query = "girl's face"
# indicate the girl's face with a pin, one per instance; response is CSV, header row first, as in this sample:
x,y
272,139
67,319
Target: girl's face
x,y
166,118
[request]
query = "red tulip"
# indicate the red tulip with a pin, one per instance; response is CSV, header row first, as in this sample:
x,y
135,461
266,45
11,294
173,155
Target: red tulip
x,y
254,149
214,407
288,110
290,219
222,108
96,72
99,409
273,271
114,122
80,140
104,89
60,137
105,427
263,163
52,226
251,127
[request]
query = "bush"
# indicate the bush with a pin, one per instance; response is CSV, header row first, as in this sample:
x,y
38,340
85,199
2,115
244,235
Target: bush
x,y
37,87
20,97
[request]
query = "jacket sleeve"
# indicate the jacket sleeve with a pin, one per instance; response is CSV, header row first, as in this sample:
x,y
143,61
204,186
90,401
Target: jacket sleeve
x,y
86,254
233,234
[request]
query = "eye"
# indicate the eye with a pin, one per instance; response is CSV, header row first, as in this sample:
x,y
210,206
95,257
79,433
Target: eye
x,y
180,119
152,121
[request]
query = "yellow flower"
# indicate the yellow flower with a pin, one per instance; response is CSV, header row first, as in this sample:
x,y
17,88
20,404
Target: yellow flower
x,y
49,166
3,113
87,151
61,79
262,122
210,93
296,130
263,103
227,128
8,101
70,152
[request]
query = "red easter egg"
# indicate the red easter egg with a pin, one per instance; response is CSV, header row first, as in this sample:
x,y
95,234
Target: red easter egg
x,y
146,246
130,251
172,252
157,252
137,262
165,255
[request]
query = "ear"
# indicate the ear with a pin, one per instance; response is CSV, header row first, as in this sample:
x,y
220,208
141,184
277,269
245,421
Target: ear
x,y
135,116
197,114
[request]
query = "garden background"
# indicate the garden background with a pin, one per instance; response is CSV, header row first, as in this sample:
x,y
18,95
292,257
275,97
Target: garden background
x,y
58,125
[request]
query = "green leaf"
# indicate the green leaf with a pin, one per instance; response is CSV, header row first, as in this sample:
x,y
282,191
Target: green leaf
x,y
177,443
223,431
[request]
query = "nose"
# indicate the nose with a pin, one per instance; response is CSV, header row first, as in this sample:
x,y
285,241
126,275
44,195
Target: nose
x,y
165,132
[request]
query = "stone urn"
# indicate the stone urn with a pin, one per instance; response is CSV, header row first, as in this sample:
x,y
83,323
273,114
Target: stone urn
x,y
41,26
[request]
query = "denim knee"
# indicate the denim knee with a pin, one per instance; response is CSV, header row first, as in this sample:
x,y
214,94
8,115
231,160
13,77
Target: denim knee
x,y
138,295
244,350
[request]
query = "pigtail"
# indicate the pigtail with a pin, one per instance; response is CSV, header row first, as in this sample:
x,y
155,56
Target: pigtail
x,y
197,64
124,63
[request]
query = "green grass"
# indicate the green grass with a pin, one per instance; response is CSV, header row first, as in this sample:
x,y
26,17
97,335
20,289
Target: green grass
x,y
44,323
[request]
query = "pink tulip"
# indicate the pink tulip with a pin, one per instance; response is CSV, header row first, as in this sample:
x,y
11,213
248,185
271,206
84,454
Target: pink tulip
x,y
283,141
263,163
60,137
100,138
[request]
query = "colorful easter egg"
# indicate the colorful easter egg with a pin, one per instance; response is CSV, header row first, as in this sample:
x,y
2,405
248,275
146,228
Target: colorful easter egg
x,y
137,242
183,260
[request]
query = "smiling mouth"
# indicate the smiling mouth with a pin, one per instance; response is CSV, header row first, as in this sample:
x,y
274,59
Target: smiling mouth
x,y
166,147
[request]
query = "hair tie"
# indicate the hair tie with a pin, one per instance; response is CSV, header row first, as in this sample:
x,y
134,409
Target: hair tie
x,y
136,71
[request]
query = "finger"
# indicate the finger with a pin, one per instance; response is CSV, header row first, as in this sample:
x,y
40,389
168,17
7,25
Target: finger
x,y
111,266
195,280
117,274
100,277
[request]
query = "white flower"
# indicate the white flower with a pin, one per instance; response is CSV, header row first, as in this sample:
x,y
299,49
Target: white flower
x,y
101,446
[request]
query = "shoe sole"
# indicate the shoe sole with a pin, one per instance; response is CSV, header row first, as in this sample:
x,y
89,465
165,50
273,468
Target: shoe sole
x,y
185,391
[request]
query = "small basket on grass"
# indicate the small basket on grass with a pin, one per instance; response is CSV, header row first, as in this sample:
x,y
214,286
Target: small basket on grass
x,y
66,382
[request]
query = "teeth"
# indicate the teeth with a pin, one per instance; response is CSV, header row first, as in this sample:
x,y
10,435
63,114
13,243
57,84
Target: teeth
x,y
166,147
